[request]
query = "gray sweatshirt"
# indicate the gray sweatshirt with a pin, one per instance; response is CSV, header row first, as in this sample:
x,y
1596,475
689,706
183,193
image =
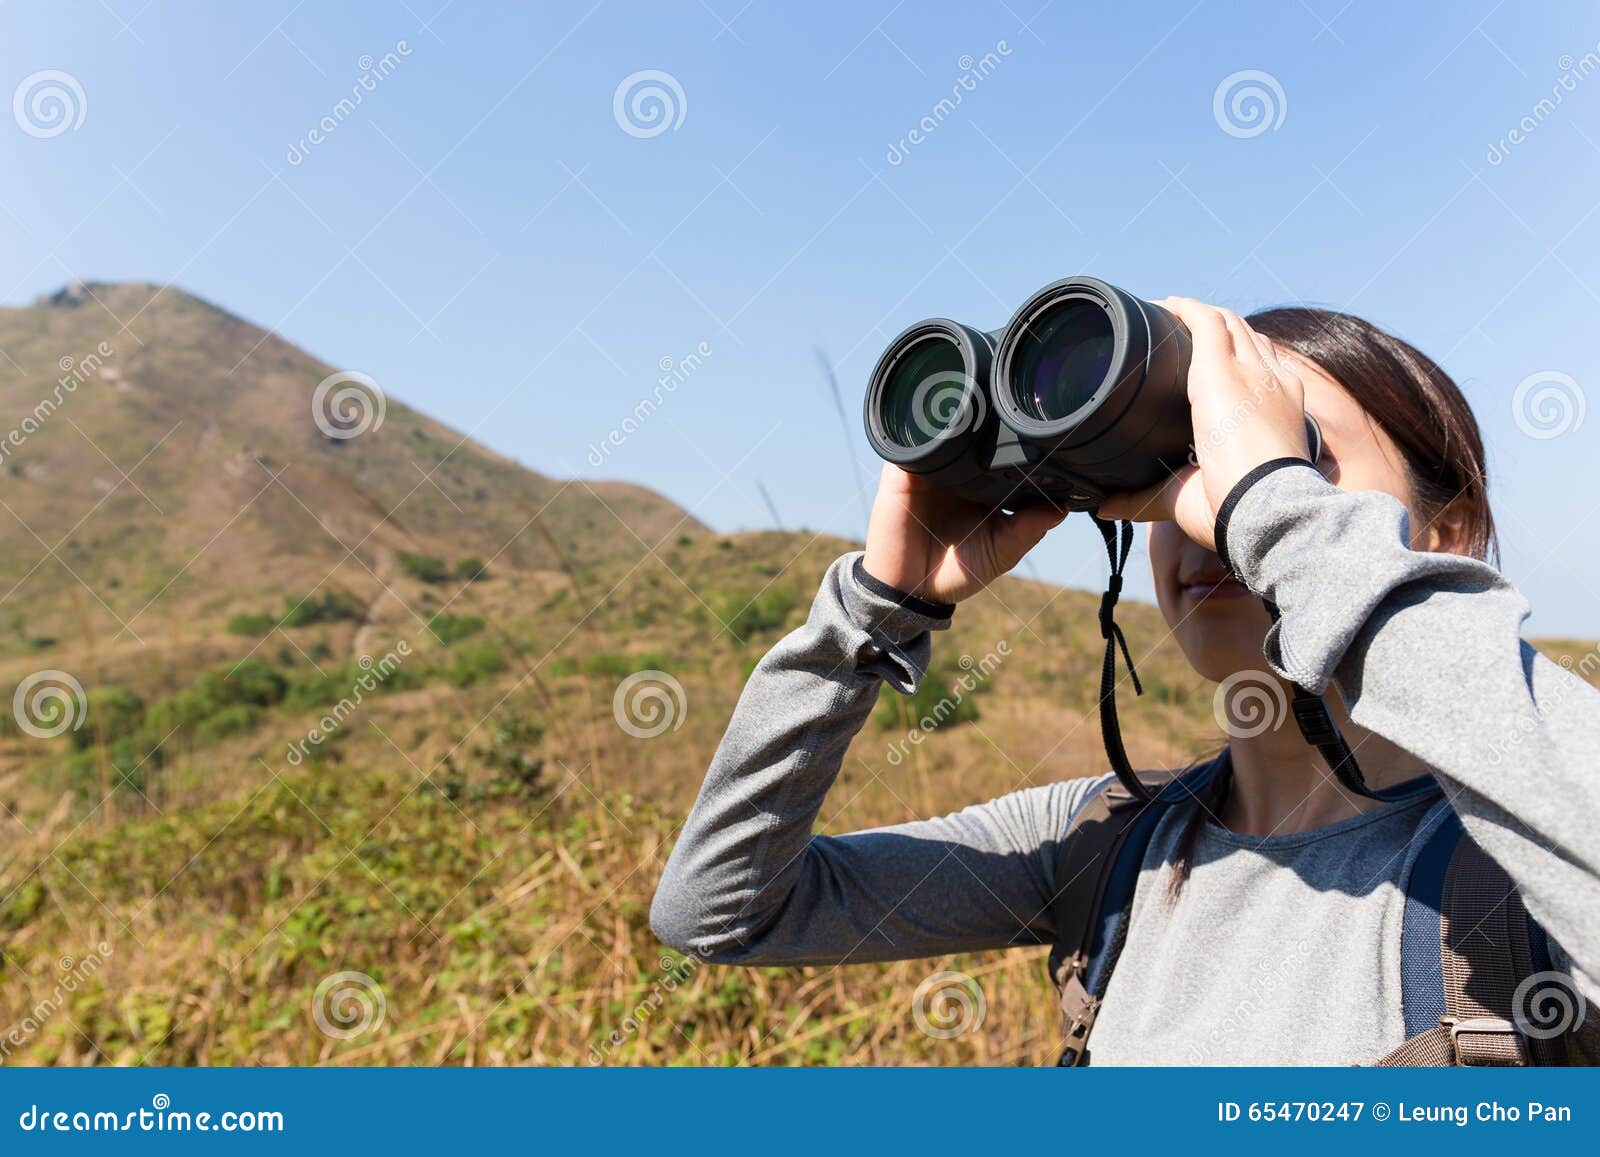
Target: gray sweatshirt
x,y
1278,950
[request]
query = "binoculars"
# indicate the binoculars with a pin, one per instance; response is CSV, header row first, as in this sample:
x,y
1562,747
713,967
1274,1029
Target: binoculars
x,y
1083,393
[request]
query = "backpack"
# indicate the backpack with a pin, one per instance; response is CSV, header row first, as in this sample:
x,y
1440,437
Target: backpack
x,y
1467,941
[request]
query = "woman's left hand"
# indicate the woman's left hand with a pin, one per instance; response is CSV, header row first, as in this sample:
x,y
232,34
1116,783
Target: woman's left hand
x,y
1247,408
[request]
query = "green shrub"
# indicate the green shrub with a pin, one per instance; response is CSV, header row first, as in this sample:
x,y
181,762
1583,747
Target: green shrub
x,y
453,628
254,625
470,569
113,713
475,663
428,568
331,607
766,612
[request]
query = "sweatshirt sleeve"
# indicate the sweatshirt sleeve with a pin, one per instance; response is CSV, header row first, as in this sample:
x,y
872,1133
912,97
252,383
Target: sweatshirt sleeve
x,y
1427,650
748,882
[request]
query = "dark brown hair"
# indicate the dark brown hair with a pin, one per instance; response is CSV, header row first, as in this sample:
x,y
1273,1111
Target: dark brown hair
x,y
1411,399
1422,411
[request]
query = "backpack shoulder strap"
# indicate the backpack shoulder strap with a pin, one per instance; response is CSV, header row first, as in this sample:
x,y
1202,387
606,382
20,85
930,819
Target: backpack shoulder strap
x,y
1101,853
1485,949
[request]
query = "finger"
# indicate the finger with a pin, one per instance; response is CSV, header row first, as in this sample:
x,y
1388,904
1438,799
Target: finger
x,y
1249,343
1156,503
1206,326
1019,533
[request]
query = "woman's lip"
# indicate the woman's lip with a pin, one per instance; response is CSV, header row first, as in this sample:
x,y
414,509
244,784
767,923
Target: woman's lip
x,y
1226,588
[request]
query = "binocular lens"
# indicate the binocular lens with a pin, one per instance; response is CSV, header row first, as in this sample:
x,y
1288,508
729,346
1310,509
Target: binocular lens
x,y
1062,359
926,392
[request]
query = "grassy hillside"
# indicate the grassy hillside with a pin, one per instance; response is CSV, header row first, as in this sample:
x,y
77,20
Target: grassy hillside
x,y
165,459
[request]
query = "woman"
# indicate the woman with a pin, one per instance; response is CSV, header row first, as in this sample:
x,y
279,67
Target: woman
x,y
1266,932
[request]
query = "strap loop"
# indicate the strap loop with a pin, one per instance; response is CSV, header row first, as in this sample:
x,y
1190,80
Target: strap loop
x,y
1118,538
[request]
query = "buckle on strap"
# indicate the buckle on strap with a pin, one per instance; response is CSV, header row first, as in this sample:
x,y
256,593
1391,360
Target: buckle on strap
x,y
1078,1008
1483,1040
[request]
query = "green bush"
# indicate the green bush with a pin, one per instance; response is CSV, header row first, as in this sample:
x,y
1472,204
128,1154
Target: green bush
x,y
453,628
475,663
253,625
428,568
766,612
470,569
113,713
331,607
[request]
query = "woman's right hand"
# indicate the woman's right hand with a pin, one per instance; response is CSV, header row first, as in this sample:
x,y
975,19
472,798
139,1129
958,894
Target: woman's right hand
x,y
943,548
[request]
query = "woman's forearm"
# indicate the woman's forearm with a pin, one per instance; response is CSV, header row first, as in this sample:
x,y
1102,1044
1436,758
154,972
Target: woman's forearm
x,y
1426,650
749,883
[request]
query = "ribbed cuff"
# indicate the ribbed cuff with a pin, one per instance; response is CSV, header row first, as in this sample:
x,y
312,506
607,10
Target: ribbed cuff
x,y
1240,489
897,596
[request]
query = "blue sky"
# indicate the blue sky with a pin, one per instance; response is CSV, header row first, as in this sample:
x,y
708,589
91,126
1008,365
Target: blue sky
x,y
484,237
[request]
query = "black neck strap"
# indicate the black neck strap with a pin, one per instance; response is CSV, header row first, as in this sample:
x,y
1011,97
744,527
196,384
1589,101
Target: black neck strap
x,y
1119,540
1316,723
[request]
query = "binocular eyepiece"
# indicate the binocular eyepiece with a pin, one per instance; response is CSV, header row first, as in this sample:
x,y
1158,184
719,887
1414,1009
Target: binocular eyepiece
x,y
1083,393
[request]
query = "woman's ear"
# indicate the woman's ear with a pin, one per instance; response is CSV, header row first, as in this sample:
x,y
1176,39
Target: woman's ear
x,y
1446,532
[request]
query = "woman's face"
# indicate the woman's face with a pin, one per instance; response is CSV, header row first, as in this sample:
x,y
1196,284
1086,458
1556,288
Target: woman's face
x,y
1216,620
